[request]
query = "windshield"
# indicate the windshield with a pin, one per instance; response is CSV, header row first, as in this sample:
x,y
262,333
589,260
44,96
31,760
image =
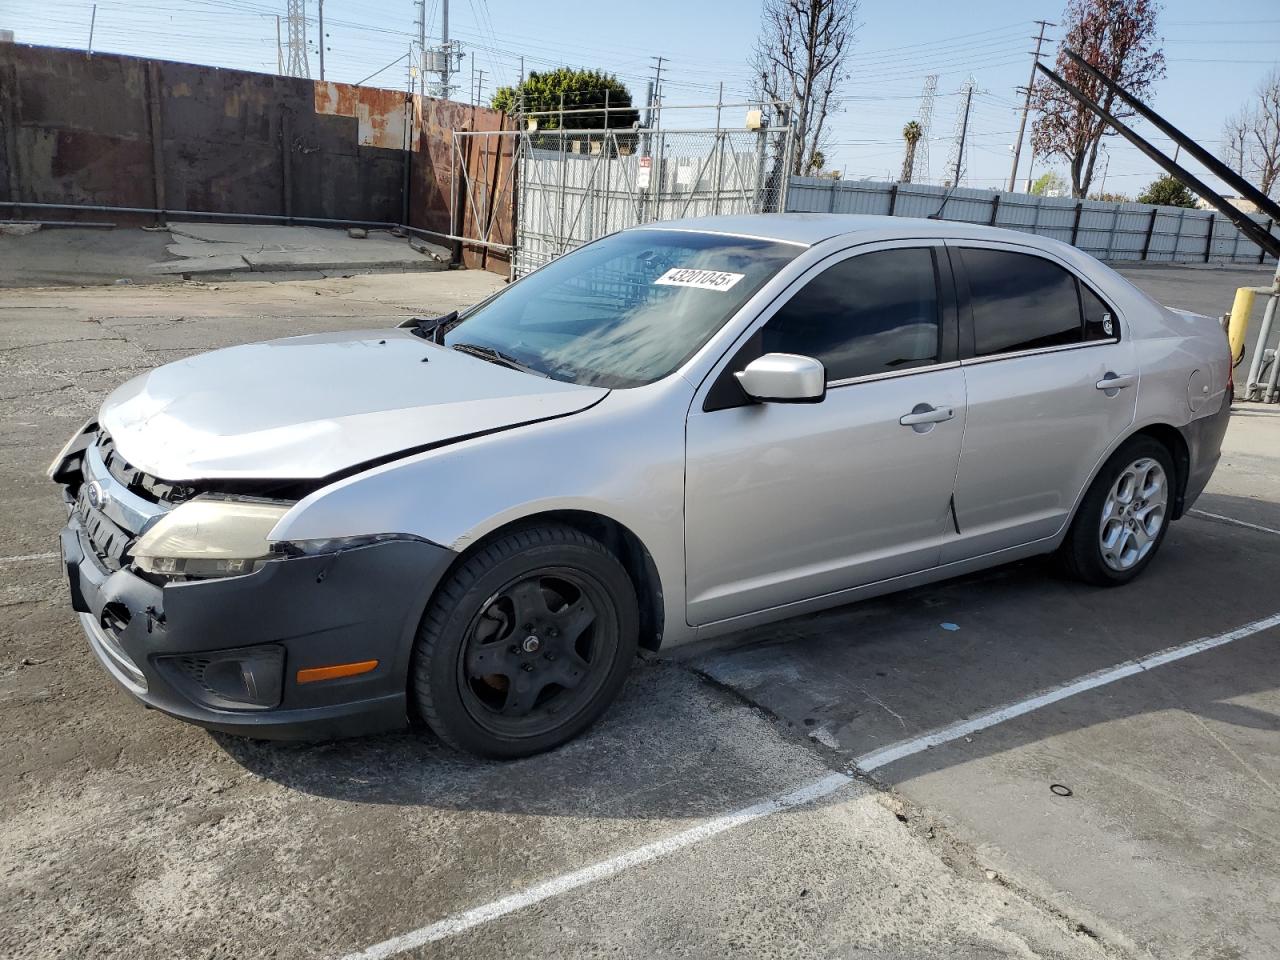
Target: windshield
x,y
624,311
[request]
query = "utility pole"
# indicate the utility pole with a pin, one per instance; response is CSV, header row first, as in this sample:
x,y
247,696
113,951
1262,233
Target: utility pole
x,y
320,6
422,47
655,101
444,43
93,19
439,60
279,49
964,132
479,86
1026,105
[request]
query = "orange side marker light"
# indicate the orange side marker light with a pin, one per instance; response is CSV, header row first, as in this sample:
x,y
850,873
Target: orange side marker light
x,y
313,674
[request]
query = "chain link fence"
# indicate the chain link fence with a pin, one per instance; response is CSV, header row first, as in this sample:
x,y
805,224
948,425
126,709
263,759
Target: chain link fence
x,y
1108,231
568,187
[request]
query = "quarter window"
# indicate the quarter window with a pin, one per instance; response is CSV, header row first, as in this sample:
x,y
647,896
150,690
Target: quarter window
x,y
874,313
1099,320
1020,302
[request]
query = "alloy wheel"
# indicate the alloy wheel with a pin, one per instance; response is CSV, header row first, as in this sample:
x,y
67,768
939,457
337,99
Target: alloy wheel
x,y
1133,514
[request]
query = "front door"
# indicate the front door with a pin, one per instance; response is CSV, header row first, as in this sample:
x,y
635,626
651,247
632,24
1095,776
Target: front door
x,y
789,501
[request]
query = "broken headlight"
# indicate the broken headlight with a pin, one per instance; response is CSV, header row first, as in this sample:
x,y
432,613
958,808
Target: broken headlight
x,y
209,538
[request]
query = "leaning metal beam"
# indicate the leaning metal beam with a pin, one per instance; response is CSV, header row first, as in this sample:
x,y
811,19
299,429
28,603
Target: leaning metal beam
x,y
1215,166
1246,224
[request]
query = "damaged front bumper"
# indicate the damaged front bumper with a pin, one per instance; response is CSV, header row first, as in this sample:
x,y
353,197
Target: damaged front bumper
x,y
191,648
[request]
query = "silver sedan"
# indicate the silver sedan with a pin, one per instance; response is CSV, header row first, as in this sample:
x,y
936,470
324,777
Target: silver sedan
x,y
673,432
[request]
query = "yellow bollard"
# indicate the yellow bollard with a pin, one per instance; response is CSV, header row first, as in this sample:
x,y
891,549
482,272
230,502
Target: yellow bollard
x,y
1239,323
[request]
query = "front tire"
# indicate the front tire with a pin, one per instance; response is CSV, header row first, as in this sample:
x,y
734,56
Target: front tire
x,y
1124,517
526,643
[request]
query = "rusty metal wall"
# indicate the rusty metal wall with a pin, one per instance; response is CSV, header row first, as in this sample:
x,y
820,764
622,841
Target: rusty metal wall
x,y
436,202
124,131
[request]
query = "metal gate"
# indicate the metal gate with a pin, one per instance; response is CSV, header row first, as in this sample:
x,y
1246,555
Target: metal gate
x,y
564,188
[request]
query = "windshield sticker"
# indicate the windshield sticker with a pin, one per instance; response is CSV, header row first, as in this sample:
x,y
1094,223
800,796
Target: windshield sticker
x,y
702,279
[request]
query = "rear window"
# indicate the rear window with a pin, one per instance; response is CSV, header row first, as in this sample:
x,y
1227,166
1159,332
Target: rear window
x,y
1020,302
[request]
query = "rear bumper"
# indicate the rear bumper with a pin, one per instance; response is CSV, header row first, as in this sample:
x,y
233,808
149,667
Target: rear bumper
x,y
355,605
1204,450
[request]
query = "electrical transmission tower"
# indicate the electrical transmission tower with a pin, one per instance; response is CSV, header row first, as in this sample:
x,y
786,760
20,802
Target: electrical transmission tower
x,y
956,158
920,167
297,65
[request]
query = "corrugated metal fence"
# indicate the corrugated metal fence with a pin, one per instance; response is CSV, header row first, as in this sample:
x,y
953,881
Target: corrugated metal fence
x,y
1109,231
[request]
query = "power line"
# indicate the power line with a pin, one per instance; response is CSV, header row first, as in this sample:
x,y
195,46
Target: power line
x,y
297,18
955,160
920,165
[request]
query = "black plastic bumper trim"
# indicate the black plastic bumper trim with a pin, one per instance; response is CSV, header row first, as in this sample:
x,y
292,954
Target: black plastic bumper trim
x,y
364,603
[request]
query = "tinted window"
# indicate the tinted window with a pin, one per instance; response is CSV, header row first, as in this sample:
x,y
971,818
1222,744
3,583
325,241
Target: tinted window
x,y
1020,302
870,314
1099,321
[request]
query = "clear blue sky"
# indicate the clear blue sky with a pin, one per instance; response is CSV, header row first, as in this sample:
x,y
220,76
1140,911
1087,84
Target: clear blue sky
x,y
1217,53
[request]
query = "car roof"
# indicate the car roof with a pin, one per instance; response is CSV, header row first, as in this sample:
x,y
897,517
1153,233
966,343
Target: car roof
x,y
808,229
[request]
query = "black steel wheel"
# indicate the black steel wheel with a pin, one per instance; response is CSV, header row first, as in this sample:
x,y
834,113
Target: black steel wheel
x,y
526,643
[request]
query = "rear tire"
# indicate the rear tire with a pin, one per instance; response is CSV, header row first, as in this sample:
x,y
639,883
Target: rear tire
x,y
1124,516
526,643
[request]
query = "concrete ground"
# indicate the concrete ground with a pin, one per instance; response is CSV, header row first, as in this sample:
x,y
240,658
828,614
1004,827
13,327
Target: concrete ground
x,y
124,833
84,256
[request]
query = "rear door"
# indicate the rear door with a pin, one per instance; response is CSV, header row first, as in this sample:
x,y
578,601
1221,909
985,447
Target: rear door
x,y
789,501
1052,381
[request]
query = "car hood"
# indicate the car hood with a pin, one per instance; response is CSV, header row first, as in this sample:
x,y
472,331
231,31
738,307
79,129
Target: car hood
x,y
306,407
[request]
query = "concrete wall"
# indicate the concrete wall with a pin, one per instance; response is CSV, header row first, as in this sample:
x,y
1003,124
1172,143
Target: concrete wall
x,y
1109,231
123,131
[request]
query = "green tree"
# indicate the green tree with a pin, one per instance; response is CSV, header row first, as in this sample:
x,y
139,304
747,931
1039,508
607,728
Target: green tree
x,y
1168,192
569,89
1049,184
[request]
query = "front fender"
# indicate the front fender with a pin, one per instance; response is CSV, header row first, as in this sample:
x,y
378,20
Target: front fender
x,y
622,459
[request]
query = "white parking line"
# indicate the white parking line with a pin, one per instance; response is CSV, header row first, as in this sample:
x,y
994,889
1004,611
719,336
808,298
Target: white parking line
x,y
468,919
29,557
1233,521
906,748
598,871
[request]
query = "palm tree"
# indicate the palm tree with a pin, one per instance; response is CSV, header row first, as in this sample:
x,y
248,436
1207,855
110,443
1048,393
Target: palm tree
x,y
910,133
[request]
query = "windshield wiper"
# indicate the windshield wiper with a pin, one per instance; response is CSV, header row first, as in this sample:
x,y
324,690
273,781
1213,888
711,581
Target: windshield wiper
x,y
433,328
495,356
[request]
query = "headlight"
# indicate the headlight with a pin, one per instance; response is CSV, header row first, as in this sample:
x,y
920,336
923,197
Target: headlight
x,y
209,538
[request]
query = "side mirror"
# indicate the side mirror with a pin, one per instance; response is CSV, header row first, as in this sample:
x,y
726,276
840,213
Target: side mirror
x,y
784,378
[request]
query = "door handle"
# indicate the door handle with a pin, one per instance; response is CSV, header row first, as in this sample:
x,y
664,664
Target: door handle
x,y
927,415
1117,381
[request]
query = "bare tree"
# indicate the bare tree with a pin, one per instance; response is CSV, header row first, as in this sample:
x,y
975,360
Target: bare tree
x,y
1119,38
1251,137
801,54
1235,141
1265,146
911,133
